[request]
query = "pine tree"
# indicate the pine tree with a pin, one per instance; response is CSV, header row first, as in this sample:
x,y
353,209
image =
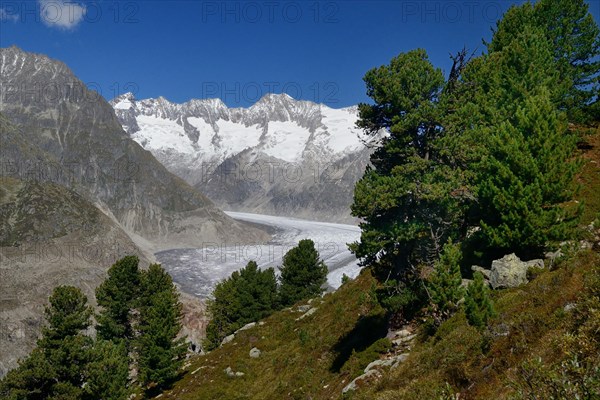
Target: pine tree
x,y
55,369
34,378
411,197
444,285
225,310
63,342
67,315
574,38
478,304
246,296
160,353
303,273
257,292
117,296
107,372
525,178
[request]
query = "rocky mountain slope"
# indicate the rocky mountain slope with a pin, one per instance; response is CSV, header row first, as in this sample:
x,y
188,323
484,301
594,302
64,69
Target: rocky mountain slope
x,y
76,194
49,236
73,125
280,156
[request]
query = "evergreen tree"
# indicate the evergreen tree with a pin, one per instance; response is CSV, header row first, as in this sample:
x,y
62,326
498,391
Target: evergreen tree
x,y
33,379
414,196
117,296
225,312
409,198
67,315
526,176
303,273
444,285
257,292
56,368
63,342
478,304
522,160
160,353
246,296
107,372
574,38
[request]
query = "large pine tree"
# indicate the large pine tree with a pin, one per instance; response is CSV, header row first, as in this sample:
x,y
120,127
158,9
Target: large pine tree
x,y
526,176
117,296
159,351
524,167
303,273
56,368
574,39
409,197
247,295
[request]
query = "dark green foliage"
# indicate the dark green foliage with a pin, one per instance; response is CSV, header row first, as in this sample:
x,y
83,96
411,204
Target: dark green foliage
x,y
358,361
303,273
398,196
117,295
107,372
34,378
67,315
56,368
414,196
160,354
478,304
246,296
524,165
67,364
444,285
524,179
403,298
63,343
574,39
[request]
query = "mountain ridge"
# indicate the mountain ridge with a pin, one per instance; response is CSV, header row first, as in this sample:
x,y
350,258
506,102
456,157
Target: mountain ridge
x,y
277,156
80,130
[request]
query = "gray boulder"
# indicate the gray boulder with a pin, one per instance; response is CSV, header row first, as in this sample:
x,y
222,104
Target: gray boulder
x,y
353,385
510,271
228,339
308,313
254,352
485,272
231,373
304,308
379,363
247,326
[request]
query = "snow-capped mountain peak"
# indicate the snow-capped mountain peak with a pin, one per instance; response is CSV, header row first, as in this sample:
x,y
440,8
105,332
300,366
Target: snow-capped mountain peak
x,y
196,138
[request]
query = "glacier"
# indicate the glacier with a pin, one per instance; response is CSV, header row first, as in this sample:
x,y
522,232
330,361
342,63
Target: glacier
x,y
198,270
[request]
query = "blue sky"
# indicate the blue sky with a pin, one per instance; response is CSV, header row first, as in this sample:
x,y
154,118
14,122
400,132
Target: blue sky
x,y
241,50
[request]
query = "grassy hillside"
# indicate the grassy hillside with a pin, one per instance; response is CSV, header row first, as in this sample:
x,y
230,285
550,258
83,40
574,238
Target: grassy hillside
x,y
544,341
300,358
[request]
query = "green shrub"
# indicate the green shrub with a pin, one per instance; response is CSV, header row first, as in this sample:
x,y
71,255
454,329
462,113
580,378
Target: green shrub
x,y
478,304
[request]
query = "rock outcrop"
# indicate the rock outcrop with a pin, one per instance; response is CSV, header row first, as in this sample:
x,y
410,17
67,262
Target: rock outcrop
x,y
508,271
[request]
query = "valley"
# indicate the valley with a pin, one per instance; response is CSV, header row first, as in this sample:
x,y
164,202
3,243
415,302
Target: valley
x,y
197,270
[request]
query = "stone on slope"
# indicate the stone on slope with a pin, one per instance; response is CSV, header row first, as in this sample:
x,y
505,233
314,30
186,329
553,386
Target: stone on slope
x,y
510,271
